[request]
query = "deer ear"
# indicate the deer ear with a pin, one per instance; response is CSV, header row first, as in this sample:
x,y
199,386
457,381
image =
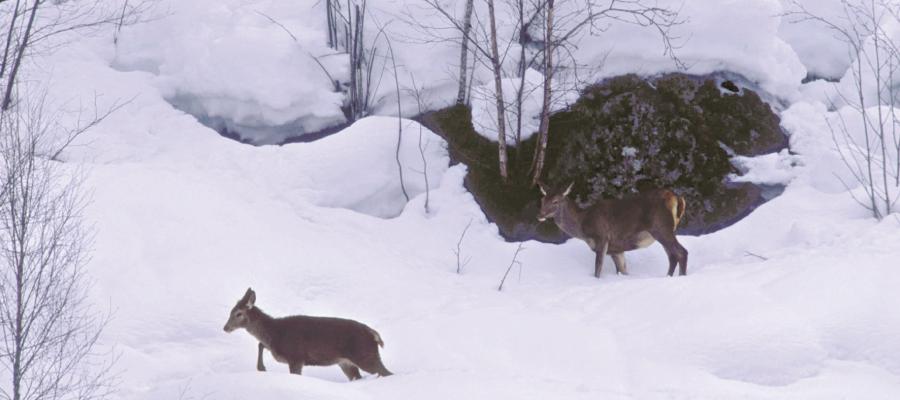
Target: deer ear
x,y
569,189
249,298
541,186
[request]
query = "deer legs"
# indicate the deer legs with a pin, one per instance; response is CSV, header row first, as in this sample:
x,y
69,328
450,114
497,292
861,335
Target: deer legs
x,y
619,260
676,252
259,361
296,368
601,253
350,370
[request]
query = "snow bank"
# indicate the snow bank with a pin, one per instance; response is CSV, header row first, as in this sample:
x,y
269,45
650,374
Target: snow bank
x,y
740,36
226,59
823,53
369,180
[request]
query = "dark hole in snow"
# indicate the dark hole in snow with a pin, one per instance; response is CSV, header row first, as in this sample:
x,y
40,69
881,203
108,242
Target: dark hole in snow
x,y
303,130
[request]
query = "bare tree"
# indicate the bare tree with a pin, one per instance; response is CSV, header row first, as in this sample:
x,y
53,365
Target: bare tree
x,y
33,22
399,118
484,42
48,331
877,57
18,55
464,51
332,11
544,128
416,93
562,33
496,68
560,36
14,15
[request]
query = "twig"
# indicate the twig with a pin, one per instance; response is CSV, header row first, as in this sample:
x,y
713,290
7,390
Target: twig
x,y
755,255
418,95
459,263
512,263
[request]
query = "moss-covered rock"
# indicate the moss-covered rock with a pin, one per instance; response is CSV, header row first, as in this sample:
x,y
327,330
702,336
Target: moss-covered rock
x,y
623,135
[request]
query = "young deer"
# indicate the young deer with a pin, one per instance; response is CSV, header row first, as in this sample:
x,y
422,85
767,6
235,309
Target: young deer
x,y
302,340
616,226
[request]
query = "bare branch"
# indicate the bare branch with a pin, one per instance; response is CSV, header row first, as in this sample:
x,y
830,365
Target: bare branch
x,y
460,264
512,263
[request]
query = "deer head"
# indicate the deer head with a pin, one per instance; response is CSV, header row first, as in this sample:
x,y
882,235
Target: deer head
x,y
551,203
238,317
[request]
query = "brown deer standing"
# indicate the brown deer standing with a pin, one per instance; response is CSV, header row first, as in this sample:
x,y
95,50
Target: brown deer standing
x,y
303,340
616,226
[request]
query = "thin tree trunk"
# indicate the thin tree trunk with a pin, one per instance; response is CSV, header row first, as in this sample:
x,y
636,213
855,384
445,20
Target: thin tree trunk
x,y
498,85
881,133
865,116
120,23
893,105
9,38
471,78
522,67
399,122
464,52
541,148
10,84
329,20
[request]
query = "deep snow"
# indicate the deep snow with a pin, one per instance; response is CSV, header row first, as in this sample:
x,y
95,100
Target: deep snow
x,y
798,300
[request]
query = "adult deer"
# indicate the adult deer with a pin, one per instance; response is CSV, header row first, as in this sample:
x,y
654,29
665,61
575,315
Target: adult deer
x,y
616,226
302,340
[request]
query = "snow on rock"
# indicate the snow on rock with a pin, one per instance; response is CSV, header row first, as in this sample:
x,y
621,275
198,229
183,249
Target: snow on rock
x,y
740,36
767,169
484,106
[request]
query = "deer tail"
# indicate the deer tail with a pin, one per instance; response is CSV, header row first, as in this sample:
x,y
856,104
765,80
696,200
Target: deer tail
x,y
682,205
377,337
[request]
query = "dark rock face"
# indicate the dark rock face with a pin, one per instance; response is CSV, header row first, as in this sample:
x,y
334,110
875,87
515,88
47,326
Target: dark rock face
x,y
675,131
626,134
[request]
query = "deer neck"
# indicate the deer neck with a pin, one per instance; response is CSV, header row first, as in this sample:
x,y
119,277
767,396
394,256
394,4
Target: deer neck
x,y
568,219
261,326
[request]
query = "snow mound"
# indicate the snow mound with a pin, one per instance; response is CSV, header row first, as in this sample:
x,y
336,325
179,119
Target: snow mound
x,y
369,180
706,42
822,52
227,60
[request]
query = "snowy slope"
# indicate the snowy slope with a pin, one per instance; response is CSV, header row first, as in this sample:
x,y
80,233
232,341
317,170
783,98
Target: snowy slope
x,y
186,220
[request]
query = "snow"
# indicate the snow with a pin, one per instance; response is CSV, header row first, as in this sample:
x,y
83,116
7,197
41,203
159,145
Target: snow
x,y
226,59
711,36
484,106
767,169
798,300
822,51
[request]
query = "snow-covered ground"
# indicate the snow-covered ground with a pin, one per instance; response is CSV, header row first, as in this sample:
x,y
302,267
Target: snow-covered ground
x,y
798,300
